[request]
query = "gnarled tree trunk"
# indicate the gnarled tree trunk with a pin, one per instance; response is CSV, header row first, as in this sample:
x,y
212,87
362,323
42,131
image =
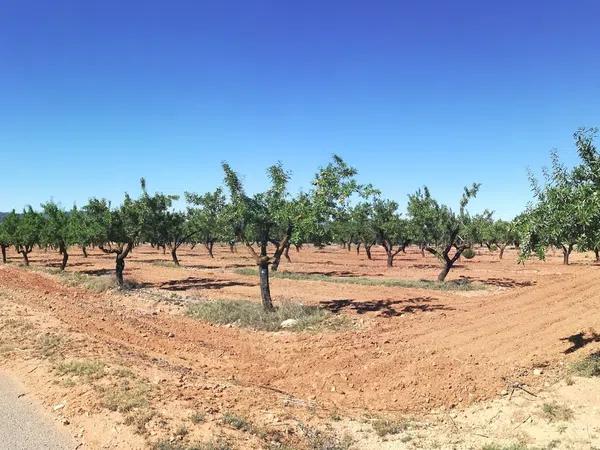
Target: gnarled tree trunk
x,y
3,253
265,290
209,246
65,257
174,255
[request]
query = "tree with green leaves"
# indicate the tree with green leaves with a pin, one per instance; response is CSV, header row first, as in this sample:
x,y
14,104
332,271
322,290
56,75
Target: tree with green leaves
x,y
361,219
208,221
444,231
263,218
588,173
501,233
392,232
563,211
118,231
5,238
271,218
26,234
57,231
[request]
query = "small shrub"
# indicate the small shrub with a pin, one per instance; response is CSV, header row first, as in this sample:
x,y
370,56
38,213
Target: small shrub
x,y
139,419
174,445
252,315
468,253
237,422
182,431
504,447
383,427
324,440
49,344
554,412
588,367
90,370
197,417
127,396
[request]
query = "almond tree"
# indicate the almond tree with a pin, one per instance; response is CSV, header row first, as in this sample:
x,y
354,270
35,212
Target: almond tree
x,y
361,217
564,208
273,216
262,218
25,232
5,234
57,230
391,231
502,234
118,231
443,231
207,218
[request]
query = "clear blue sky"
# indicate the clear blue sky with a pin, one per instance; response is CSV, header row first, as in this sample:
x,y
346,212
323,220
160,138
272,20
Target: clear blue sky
x,y
95,95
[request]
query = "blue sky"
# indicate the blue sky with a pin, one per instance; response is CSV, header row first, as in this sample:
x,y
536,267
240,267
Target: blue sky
x,y
97,94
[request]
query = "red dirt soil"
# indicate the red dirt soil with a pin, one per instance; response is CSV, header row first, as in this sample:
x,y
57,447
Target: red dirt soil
x,y
412,350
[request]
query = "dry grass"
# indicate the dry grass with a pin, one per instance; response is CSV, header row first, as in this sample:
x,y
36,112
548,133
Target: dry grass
x,y
126,396
454,285
249,314
588,367
87,369
48,344
555,412
95,283
384,427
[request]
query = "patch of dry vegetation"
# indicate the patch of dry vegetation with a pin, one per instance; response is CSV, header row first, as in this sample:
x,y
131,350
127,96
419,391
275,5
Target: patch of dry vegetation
x,y
454,285
250,314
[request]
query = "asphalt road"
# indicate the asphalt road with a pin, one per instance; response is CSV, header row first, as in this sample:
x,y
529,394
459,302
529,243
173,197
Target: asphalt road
x,y
24,424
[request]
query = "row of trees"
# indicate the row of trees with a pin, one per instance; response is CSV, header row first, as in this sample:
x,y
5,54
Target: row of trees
x,y
336,209
565,214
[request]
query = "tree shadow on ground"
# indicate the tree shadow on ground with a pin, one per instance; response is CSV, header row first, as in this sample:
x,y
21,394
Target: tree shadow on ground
x,y
332,273
199,283
427,266
580,340
500,282
70,264
386,308
99,272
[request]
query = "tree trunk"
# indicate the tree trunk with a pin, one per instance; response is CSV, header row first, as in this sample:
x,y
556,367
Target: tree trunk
x,y
368,252
275,264
390,259
286,253
25,257
358,248
3,253
209,248
502,247
349,246
265,291
596,252
84,251
174,255
442,276
232,247
65,258
566,254
297,247
119,268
